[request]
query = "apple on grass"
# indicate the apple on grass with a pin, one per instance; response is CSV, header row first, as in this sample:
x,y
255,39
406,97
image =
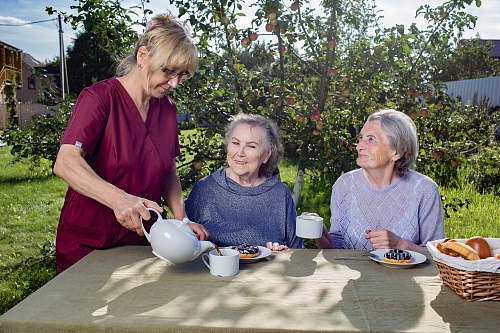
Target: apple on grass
x,y
427,95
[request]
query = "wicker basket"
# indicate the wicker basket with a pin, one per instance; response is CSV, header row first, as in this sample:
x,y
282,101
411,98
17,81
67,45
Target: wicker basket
x,y
471,286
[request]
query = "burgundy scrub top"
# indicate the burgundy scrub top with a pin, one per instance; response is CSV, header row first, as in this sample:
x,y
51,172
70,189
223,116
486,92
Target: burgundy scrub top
x,y
133,155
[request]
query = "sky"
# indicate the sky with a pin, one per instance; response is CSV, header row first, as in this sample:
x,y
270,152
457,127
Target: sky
x,y
41,40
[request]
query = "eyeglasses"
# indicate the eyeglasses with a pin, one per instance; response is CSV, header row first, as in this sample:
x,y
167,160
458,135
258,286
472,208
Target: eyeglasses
x,y
170,74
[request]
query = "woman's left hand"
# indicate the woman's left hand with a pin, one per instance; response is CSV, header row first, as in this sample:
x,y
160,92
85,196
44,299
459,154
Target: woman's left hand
x,y
384,239
200,231
276,246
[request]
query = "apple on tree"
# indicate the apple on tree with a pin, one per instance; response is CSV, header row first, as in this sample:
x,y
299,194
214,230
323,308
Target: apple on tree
x,y
294,6
454,163
271,16
198,165
269,27
332,43
413,114
415,93
254,36
315,116
424,112
332,71
291,101
345,92
427,95
319,124
245,41
435,153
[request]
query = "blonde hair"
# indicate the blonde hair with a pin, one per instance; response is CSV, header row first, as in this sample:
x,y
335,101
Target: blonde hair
x,y
169,46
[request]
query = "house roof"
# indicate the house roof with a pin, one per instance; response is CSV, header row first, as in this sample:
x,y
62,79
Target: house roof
x,y
495,50
31,62
7,46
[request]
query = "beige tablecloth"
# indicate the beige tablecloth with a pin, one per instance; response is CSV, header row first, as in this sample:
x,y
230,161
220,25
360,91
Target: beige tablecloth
x,y
127,289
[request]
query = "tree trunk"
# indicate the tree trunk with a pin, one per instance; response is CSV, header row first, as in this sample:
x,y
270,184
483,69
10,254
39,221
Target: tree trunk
x,y
298,186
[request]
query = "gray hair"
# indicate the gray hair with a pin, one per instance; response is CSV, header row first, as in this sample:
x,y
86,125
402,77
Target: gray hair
x,y
168,43
402,134
272,139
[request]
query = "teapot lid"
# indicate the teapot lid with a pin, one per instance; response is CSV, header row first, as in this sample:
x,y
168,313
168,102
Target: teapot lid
x,y
183,225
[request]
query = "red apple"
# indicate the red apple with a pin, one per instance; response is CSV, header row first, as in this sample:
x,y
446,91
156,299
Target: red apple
x,y
424,112
416,93
269,27
271,16
245,41
413,114
409,91
345,92
294,6
332,43
315,116
282,47
345,78
254,36
332,71
315,107
439,105
454,163
274,23
291,101
427,95
198,165
300,118
200,175
435,153
319,124
225,20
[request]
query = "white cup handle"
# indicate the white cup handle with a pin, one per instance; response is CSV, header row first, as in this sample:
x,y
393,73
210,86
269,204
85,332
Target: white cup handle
x,y
203,258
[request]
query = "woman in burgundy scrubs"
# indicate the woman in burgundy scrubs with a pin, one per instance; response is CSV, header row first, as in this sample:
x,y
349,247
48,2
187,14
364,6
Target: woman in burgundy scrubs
x,y
118,151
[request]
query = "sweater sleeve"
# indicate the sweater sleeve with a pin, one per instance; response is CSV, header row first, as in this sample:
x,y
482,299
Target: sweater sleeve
x,y
193,203
293,242
431,217
335,228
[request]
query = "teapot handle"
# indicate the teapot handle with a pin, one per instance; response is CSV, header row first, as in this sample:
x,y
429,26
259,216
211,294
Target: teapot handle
x,y
144,229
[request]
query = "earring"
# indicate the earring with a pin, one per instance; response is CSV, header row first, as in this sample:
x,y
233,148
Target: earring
x,y
139,65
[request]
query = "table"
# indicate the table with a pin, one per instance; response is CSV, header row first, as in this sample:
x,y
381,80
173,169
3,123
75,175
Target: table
x,y
128,289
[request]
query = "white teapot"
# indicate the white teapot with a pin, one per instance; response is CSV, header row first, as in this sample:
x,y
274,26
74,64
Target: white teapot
x,y
174,241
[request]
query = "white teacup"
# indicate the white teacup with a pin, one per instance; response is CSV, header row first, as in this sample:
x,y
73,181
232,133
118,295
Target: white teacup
x,y
226,265
309,226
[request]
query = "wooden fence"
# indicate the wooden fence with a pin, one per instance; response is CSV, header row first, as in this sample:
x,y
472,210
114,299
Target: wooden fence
x,y
25,113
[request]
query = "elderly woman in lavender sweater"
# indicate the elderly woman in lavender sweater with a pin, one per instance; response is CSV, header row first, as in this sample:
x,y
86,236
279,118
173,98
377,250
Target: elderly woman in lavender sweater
x,y
385,205
243,202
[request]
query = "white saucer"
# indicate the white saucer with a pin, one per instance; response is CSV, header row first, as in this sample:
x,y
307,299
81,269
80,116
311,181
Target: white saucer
x,y
416,258
263,252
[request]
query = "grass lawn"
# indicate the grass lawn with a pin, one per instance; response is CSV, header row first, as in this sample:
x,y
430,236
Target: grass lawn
x,y
31,201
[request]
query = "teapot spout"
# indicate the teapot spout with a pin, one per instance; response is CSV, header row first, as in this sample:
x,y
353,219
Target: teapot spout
x,y
205,245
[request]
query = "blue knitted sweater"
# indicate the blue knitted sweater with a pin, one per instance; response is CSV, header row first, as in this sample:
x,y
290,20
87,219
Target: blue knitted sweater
x,y
237,214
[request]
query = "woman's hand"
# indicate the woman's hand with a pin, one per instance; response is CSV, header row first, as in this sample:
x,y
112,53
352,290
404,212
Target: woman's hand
x,y
276,246
200,231
129,209
384,239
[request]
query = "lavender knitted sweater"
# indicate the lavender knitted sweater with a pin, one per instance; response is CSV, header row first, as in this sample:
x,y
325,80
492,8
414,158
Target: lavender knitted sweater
x,y
236,214
410,207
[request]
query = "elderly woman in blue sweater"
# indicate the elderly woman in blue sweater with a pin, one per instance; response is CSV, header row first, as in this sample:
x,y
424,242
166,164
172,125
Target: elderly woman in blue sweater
x,y
243,202
385,205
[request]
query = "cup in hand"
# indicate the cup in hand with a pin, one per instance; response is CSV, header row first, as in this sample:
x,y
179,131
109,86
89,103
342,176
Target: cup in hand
x,y
226,265
309,226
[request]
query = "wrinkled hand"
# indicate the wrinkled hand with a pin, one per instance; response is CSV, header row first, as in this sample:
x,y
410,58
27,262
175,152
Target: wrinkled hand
x,y
276,246
384,239
199,230
309,214
129,209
